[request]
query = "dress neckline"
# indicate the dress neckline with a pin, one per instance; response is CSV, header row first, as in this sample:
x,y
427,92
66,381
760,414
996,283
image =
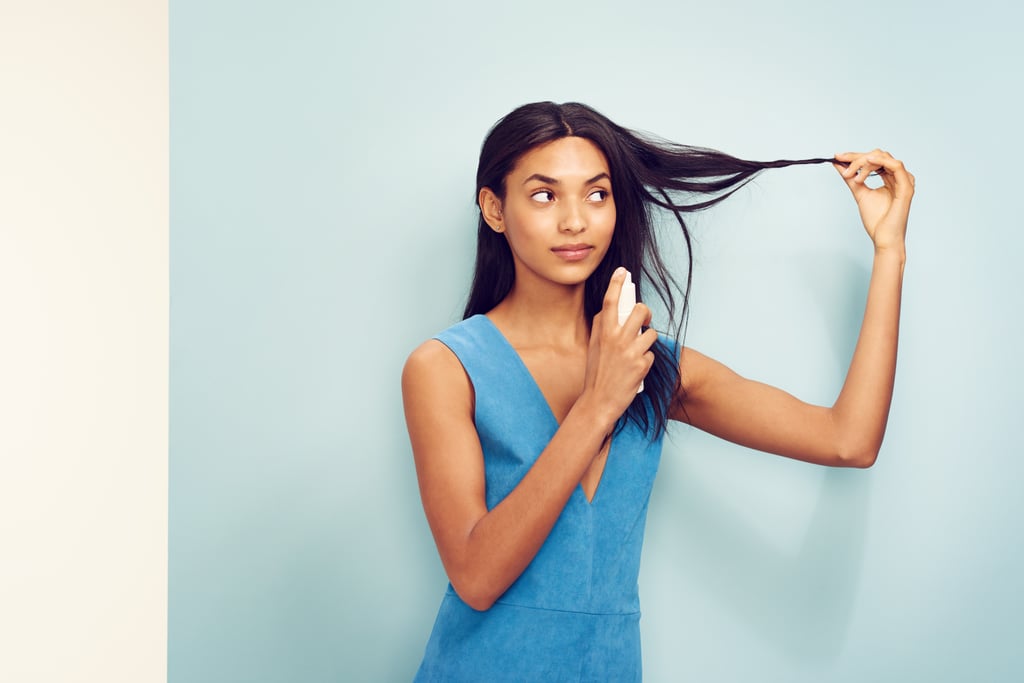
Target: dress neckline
x,y
539,396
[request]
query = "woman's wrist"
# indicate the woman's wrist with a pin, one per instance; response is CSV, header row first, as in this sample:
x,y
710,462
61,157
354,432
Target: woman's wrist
x,y
592,412
891,253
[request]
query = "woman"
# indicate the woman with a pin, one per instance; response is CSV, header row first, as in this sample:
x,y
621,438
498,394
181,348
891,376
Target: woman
x,y
534,450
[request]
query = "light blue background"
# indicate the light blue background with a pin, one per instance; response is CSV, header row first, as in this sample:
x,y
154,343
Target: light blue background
x,y
322,226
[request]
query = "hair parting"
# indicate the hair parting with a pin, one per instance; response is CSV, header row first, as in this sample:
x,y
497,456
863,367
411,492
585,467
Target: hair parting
x,y
649,175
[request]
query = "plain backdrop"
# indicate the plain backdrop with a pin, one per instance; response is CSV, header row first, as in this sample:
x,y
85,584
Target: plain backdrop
x,y
321,226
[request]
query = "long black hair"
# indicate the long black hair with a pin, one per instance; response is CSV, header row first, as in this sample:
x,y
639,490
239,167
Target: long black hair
x,y
647,174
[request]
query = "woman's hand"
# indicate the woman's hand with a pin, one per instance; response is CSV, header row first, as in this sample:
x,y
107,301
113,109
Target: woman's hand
x,y
884,209
619,357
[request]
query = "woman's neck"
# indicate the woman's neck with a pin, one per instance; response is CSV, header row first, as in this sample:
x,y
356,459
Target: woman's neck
x,y
543,315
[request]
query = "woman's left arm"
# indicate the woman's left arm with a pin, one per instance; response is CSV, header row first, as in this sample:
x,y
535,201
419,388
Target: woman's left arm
x,y
849,434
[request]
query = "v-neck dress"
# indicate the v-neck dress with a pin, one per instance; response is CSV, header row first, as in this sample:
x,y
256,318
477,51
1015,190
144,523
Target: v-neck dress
x,y
574,613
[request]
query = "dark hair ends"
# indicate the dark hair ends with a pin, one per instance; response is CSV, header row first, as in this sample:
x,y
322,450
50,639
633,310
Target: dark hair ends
x,y
648,174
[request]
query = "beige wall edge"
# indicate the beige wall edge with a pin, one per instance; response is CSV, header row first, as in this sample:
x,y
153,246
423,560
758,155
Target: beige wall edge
x,y
84,344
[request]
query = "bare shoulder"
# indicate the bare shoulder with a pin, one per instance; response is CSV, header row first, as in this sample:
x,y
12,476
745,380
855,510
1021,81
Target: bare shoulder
x,y
434,375
431,356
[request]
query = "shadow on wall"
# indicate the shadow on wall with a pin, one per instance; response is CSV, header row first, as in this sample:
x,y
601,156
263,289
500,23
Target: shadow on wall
x,y
838,286
799,599
801,602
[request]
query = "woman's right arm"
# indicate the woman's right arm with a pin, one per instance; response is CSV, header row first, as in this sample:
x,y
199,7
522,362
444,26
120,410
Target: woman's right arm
x,y
484,552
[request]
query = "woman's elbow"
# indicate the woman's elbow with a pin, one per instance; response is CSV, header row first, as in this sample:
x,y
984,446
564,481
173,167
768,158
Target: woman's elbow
x,y
863,461
475,579
480,604
473,594
472,586
861,456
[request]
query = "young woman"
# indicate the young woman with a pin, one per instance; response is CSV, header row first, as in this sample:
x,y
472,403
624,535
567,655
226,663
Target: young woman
x,y
534,450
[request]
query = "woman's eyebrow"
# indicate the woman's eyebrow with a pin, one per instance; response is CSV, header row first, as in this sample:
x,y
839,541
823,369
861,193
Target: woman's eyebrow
x,y
542,178
554,181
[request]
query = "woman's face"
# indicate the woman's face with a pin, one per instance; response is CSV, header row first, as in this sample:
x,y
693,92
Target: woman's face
x,y
558,213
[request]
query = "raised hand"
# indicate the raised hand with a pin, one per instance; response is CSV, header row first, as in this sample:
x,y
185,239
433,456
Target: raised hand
x,y
619,357
883,210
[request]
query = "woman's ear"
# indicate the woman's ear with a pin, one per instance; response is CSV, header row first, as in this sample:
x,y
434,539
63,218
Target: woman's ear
x,y
490,208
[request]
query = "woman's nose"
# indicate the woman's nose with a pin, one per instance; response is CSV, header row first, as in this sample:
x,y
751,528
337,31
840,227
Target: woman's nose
x,y
573,220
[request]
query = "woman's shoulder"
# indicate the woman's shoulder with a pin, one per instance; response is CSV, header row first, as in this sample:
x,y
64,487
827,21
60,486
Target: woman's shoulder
x,y
432,367
442,357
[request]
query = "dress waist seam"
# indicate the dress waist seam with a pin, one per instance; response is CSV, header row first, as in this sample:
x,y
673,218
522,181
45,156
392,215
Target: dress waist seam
x,y
568,611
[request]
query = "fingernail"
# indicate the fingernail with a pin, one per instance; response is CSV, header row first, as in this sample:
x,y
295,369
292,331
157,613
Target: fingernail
x,y
620,271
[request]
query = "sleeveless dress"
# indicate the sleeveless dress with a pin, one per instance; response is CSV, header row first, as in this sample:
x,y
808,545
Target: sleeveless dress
x,y
574,613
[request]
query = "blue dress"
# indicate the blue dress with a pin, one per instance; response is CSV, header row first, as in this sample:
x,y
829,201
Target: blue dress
x,y
574,613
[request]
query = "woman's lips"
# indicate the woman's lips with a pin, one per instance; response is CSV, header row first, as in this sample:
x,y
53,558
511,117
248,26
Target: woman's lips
x,y
573,252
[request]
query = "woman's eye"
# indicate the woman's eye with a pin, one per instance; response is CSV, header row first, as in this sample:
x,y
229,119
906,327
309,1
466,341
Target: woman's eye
x,y
598,195
543,196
